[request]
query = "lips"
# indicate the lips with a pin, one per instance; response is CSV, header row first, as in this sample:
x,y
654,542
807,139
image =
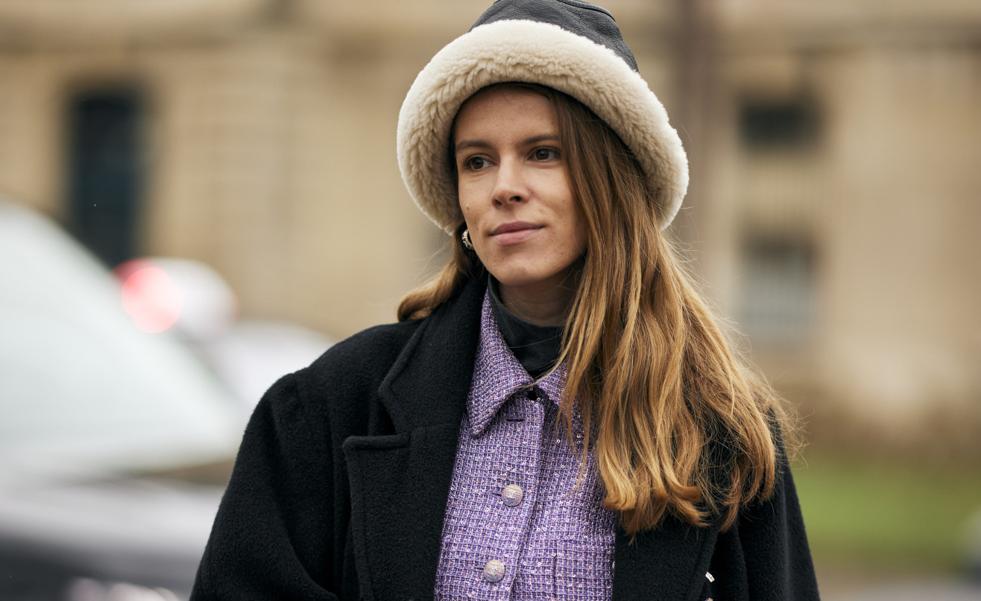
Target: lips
x,y
514,232
514,226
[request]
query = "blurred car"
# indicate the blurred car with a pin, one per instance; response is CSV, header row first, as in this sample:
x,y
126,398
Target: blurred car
x,y
191,300
114,443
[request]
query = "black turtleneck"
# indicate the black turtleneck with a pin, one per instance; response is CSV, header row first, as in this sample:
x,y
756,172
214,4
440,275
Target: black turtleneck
x,y
535,347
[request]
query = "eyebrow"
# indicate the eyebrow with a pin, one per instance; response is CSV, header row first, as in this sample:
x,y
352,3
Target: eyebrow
x,y
464,144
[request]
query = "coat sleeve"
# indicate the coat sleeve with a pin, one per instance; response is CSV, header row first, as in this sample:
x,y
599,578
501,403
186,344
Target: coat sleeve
x,y
765,555
270,538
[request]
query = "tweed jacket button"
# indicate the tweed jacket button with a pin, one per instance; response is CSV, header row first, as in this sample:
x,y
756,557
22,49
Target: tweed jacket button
x,y
512,495
494,571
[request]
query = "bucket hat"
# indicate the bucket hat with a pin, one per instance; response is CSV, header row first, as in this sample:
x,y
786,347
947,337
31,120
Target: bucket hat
x,y
570,46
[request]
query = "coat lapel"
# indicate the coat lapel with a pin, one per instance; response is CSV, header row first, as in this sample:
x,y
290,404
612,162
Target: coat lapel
x,y
400,482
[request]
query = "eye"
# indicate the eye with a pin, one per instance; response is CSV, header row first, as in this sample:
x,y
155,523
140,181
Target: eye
x,y
545,153
474,163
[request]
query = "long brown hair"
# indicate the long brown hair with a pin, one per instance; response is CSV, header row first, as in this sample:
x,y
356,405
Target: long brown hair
x,y
683,425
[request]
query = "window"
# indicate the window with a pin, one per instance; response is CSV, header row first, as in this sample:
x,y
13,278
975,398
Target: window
x,y
778,124
105,171
777,301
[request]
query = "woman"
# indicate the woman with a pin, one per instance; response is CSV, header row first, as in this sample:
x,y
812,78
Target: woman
x,y
555,415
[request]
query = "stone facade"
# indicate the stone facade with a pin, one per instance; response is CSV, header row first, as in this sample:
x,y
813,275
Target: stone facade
x,y
834,150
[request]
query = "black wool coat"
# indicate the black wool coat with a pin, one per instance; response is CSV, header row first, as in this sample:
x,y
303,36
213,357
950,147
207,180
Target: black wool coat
x,y
340,485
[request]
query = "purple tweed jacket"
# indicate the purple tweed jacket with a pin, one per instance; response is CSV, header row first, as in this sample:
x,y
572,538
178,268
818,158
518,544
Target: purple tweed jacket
x,y
517,526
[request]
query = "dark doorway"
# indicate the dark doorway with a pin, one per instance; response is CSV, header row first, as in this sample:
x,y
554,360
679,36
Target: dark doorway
x,y
105,171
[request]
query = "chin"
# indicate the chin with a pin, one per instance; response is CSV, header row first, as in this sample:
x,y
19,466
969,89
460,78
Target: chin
x,y
519,277
532,266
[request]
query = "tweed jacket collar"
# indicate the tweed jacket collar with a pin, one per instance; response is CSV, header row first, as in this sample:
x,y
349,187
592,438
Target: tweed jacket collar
x,y
498,375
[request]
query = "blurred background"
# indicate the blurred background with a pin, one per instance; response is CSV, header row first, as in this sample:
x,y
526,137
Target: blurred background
x,y
197,196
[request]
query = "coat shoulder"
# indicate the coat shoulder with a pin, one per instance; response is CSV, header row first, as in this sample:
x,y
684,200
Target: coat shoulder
x,y
347,376
369,351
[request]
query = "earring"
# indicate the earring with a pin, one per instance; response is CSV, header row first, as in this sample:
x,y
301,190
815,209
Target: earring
x,y
465,238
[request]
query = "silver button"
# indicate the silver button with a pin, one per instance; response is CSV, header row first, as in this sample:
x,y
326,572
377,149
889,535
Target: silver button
x,y
512,495
494,571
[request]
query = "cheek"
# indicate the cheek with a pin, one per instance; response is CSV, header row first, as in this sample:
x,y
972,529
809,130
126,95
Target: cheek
x,y
575,245
575,233
465,198
466,208
472,222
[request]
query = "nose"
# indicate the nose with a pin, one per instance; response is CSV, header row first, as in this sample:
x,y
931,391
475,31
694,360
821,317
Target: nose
x,y
509,186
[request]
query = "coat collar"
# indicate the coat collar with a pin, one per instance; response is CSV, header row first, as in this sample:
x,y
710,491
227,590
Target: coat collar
x,y
400,482
429,381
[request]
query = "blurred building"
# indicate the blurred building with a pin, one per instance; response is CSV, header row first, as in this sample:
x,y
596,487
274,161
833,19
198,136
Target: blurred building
x,y
834,149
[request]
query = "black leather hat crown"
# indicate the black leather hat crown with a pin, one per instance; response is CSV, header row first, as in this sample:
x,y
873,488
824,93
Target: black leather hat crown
x,y
587,20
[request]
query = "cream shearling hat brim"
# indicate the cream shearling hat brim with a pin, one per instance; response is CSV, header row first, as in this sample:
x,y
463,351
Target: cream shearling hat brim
x,y
542,53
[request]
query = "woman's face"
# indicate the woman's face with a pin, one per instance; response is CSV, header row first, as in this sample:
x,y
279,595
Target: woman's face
x,y
513,186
